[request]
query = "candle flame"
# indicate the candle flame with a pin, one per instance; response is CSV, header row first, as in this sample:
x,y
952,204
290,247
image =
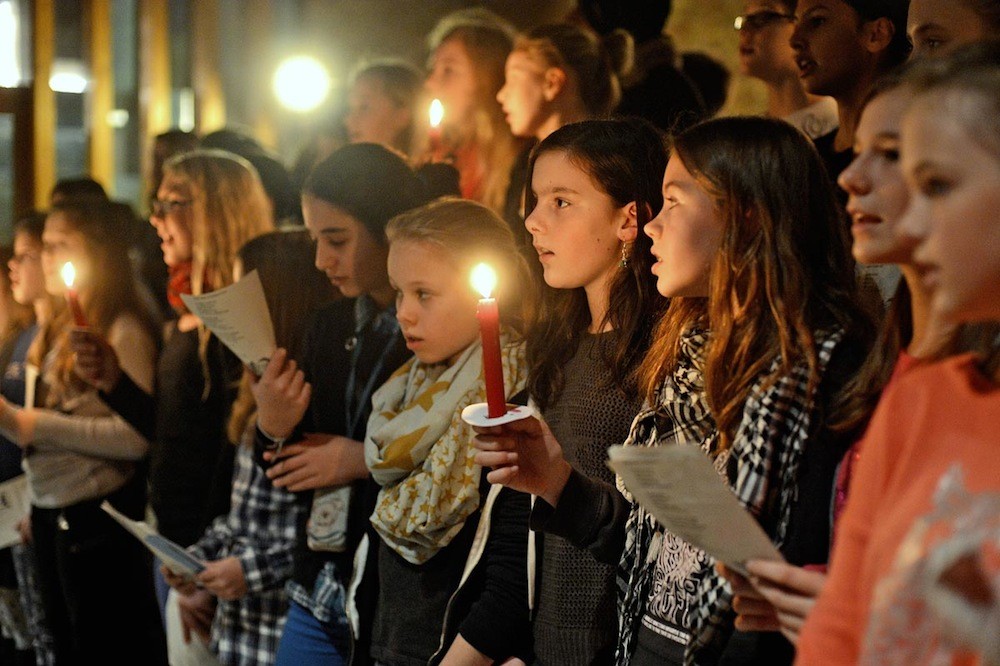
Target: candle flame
x,y
69,274
484,279
436,113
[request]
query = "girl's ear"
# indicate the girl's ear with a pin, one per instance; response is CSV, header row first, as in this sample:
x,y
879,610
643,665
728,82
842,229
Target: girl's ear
x,y
553,82
878,34
628,229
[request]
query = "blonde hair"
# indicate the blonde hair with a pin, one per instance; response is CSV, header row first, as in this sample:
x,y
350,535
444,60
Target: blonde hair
x,y
228,208
471,233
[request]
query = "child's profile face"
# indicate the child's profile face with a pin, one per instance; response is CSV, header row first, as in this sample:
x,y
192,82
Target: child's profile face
x,y
62,243
576,228
352,260
877,194
954,182
829,46
435,304
936,27
764,44
452,79
687,235
373,116
523,93
27,281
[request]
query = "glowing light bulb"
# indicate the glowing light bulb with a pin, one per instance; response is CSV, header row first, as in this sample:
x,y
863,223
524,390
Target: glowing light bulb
x,y
301,83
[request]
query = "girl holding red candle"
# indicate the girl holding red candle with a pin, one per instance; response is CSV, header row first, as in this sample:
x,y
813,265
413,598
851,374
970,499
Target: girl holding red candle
x,y
748,363
593,184
94,576
435,514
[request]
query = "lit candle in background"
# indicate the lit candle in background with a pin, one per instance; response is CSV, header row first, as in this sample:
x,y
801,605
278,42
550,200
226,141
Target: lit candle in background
x,y
69,277
436,115
484,280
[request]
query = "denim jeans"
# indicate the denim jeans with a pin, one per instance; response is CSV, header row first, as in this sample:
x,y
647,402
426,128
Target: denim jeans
x,y
306,641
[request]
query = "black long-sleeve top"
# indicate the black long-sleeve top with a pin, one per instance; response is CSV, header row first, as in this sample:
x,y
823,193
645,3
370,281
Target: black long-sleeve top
x,y
189,458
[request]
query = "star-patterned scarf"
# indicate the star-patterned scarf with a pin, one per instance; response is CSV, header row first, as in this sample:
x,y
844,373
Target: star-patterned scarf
x,y
420,451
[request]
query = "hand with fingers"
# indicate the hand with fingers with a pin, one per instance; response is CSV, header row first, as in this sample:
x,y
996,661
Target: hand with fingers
x,y
224,578
318,461
282,395
95,360
183,584
197,611
525,456
777,597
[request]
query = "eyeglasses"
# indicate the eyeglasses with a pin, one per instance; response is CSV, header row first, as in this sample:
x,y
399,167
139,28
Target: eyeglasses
x,y
759,20
161,207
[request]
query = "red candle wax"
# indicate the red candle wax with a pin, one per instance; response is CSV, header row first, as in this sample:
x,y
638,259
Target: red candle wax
x,y
489,329
74,307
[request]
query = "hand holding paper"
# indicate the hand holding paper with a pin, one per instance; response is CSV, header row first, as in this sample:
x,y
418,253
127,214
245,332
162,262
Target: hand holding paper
x,y
679,486
239,317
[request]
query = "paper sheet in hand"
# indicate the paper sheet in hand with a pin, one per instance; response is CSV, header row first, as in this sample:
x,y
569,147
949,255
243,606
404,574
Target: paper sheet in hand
x,y
176,558
14,506
679,486
238,316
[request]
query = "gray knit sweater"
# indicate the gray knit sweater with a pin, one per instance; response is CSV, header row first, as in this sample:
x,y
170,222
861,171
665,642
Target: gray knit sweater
x,y
577,620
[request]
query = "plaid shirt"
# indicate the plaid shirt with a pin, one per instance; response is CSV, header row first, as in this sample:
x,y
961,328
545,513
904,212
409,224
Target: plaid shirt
x,y
260,531
762,466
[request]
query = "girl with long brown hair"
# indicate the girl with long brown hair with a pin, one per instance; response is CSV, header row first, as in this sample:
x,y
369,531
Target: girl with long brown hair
x,y
747,364
593,185
93,576
468,50
248,551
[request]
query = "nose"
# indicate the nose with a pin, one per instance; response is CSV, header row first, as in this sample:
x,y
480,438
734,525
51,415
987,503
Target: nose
x,y
653,227
914,224
854,179
531,223
502,93
405,314
796,41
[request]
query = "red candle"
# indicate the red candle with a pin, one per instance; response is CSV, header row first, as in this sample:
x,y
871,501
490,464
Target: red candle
x,y
69,277
484,280
436,115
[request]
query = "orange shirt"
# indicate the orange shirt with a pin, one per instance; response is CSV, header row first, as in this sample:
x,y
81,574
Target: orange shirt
x,y
931,418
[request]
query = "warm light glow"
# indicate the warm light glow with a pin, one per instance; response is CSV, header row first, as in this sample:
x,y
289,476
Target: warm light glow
x,y
68,274
10,68
436,113
484,280
301,83
68,76
117,118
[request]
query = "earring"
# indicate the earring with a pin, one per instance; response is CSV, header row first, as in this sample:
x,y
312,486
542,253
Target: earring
x,y
624,262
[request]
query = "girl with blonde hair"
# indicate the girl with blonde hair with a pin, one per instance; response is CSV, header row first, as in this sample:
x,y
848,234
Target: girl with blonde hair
x,y
442,529
209,204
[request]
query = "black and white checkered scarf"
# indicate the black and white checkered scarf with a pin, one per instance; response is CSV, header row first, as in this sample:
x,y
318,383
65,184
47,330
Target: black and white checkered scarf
x,y
763,466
